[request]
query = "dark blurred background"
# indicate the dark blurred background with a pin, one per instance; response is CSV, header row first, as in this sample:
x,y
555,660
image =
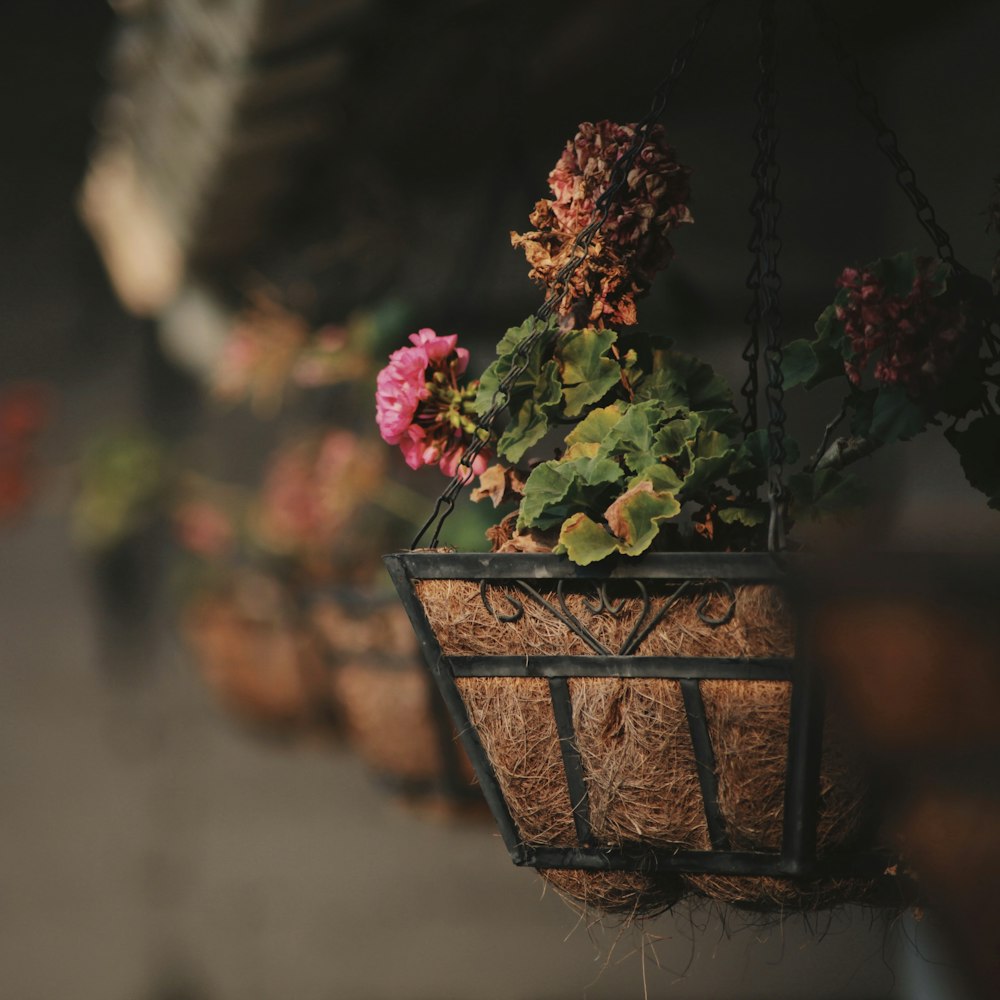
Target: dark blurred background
x,y
350,154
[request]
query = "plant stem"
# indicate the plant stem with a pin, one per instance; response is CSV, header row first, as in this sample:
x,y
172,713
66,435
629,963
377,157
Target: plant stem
x,y
825,442
846,450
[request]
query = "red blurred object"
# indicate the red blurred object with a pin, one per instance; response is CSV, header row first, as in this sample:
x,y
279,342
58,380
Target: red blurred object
x,y
25,409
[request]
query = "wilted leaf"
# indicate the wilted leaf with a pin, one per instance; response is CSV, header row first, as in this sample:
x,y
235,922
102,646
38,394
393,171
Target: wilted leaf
x,y
585,541
635,517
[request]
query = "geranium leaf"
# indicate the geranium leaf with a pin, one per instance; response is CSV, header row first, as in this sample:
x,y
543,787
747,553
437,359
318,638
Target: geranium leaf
x,y
506,358
590,436
559,488
826,491
661,477
584,540
898,272
681,380
586,374
747,516
635,517
895,416
798,363
978,448
706,473
711,444
672,439
530,421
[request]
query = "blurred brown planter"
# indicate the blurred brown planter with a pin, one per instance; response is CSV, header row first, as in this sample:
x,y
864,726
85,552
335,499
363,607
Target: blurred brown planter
x,y
393,716
261,660
911,647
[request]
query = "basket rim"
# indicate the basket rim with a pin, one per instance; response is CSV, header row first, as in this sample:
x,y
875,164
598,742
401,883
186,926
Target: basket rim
x,y
442,564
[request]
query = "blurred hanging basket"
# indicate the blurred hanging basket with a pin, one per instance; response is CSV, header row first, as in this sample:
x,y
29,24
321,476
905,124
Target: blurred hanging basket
x,y
261,659
393,715
646,731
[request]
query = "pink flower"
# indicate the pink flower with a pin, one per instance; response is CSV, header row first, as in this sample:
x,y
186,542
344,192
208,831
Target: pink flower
x,y
419,404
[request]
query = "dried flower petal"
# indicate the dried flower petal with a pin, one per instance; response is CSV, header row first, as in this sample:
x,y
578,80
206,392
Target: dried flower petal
x,y
631,245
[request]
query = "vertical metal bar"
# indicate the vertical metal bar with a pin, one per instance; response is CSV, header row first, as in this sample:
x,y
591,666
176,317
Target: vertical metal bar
x,y
805,751
438,665
562,709
454,784
694,708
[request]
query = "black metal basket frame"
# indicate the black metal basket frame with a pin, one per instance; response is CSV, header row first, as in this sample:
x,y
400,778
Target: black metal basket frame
x,y
797,856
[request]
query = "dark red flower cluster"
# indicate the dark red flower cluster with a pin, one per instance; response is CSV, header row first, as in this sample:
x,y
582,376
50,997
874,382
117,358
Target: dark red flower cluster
x,y
915,338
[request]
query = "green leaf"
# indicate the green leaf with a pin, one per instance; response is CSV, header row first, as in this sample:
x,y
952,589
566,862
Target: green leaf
x,y
661,477
711,444
829,363
898,272
634,434
675,437
586,373
706,473
635,517
826,491
830,336
506,359
682,380
530,421
750,517
727,421
584,541
978,448
896,417
590,437
799,363
559,488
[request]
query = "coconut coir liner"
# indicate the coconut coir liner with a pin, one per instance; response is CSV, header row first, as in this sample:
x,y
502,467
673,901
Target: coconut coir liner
x,y
634,743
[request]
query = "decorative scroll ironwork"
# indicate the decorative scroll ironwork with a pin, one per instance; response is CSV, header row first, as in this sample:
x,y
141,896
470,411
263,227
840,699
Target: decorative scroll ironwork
x,y
600,601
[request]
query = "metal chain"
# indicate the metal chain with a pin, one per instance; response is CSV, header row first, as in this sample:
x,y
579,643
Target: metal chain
x,y
769,287
885,137
764,281
581,248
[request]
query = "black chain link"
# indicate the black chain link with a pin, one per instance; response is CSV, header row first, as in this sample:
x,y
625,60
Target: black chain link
x,y
885,137
764,281
581,248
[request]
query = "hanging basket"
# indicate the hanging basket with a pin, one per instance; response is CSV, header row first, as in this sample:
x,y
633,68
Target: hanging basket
x,y
262,662
393,715
646,731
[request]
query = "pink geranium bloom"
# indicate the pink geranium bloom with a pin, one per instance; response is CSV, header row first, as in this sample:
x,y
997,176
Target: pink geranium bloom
x,y
419,404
